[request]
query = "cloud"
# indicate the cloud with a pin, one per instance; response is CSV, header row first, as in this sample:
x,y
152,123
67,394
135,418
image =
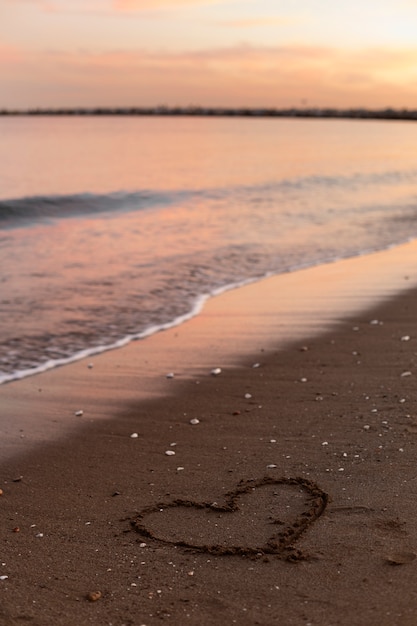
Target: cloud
x,y
66,6
241,75
142,5
9,54
108,6
45,5
255,22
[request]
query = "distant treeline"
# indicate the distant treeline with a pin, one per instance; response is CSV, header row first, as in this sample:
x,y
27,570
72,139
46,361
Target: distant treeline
x,y
353,113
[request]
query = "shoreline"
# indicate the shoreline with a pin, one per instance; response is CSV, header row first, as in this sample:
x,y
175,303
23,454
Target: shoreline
x,y
271,313
196,309
330,410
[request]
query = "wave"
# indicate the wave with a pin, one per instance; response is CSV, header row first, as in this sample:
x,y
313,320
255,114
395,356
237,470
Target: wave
x,y
194,310
15,212
18,212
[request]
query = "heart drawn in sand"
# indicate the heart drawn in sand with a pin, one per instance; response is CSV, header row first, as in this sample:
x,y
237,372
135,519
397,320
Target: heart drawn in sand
x,y
259,517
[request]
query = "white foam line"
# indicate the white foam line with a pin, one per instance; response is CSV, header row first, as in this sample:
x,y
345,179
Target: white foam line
x,y
194,311
151,330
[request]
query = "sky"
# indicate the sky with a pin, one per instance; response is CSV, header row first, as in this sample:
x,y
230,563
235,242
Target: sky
x,y
254,53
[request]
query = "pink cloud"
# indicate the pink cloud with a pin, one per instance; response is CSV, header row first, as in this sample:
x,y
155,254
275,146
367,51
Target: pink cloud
x,y
66,6
140,5
10,54
237,76
109,6
262,21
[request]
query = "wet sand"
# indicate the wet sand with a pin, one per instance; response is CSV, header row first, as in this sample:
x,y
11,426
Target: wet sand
x,y
291,501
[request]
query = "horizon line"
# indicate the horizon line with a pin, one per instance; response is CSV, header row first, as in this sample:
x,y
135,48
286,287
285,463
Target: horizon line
x,y
219,111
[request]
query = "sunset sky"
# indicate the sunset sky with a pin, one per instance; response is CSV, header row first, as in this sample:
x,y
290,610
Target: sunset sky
x,y
208,52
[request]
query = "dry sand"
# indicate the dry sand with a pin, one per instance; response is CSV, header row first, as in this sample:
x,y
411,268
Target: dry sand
x,y
291,501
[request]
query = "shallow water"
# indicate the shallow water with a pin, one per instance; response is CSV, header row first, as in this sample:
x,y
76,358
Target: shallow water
x,y
113,227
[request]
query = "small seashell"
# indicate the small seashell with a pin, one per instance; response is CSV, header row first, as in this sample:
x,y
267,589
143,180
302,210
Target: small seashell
x,y
170,375
405,374
406,338
255,365
194,421
1,492
134,435
271,466
169,452
79,413
367,427
248,396
4,577
39,535
93,596
216,371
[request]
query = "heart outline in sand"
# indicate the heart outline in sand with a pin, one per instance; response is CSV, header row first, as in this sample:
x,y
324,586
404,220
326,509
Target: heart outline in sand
x,y
280,543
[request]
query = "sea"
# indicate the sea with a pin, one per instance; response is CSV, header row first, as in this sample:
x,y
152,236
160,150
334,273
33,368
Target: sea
x,y
113,228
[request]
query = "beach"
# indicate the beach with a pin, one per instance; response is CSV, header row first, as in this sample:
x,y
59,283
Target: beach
x,y
144,485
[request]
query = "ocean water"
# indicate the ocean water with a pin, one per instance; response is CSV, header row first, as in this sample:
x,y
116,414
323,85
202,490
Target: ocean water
x,y
112,228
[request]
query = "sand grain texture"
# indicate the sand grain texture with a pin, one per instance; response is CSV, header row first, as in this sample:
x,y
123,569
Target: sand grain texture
x,y
339,416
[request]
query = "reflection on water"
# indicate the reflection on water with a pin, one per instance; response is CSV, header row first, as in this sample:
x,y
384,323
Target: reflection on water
x,y
243,198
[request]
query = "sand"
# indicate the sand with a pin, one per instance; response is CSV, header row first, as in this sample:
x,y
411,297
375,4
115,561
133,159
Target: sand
x,y
291,501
